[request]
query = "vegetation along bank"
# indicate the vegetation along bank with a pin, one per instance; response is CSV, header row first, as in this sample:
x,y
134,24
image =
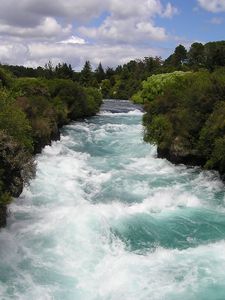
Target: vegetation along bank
x,y
185,109
32,110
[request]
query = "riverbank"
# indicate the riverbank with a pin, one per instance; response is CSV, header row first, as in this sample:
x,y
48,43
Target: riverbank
x,y
185,117
32,112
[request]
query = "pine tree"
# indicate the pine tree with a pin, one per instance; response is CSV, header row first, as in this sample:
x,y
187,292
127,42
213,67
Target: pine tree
x,y
100,73
86,75
64,71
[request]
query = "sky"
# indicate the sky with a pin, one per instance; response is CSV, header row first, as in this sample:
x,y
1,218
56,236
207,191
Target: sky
x,y
112,32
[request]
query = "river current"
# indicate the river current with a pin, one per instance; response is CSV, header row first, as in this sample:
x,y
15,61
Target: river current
x,y
105,219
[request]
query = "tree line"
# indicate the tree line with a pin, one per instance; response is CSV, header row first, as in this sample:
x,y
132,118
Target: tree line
x,y
124,80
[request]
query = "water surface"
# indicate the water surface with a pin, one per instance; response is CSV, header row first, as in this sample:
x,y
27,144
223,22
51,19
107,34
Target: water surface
x,y
106,220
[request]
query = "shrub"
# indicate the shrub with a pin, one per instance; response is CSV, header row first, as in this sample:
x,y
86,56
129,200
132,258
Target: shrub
x,y
188,111
6,78
13,120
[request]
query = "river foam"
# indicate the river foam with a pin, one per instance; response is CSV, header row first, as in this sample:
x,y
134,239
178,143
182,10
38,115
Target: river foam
x,y
105,219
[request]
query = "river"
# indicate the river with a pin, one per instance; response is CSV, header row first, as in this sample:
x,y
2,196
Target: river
x,y
104,219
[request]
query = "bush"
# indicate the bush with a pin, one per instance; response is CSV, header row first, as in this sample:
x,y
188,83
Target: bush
x,y
156,85
159,131
31,87
187,114
5,199
13,120
6,78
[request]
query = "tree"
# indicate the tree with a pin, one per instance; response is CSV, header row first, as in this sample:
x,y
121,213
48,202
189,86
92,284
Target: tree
x,y
109,73
152,64
156,85
215,54
106,88
49,70
180,55
177,58
86,75
100,73
64,71
196,56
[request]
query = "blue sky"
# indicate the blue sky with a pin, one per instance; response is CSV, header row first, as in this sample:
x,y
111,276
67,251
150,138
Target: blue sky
x,y
195,23
110,31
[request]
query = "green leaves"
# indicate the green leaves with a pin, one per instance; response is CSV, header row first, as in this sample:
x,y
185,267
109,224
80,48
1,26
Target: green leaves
x,y
13,121
31,112
159,131
6,78
156,85
186,115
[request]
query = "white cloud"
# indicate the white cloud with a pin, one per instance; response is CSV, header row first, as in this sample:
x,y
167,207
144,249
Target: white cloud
x,y
150,31
13,53
73,40
213,6
143,9
36,31
125,31
49,27
170,11
130,8
38,18
77,54
131,22
31,11
38,53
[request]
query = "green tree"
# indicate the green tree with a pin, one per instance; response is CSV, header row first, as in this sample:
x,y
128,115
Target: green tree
x,y
156,85
196,55
180,55
86,75
215,54
178,58
64,71
99,73
49,70
106,88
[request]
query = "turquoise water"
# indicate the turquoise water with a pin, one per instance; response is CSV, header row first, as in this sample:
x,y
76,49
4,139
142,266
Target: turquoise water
x,y
106,220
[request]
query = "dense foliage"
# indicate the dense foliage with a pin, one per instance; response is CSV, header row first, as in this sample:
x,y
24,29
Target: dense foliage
x,y
186,119
156,85
185,106
31,112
